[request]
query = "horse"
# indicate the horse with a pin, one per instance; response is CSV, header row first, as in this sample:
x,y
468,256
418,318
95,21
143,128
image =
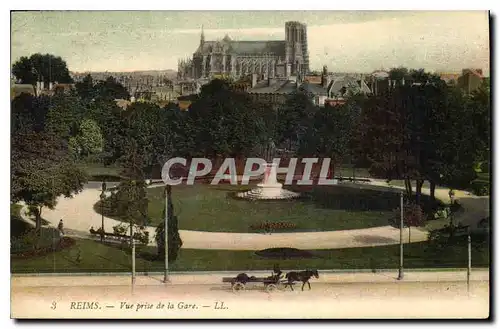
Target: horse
x,y
303,276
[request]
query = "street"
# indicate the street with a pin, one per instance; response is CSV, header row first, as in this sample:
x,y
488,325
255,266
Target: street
x,y
150,298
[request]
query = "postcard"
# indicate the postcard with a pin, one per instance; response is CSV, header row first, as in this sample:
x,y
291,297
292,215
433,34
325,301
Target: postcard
x,y
250,165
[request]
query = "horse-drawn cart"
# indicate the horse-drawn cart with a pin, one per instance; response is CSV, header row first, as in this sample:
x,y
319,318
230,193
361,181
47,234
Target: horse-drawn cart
x,y
241,281
273,282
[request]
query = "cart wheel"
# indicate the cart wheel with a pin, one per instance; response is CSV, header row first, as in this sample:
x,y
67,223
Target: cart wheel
x,y
238,286
271,287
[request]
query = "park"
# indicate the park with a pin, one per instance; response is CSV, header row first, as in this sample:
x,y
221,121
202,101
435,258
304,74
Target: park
x,y
89,194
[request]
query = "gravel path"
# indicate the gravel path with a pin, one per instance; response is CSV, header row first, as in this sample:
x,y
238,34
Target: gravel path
x,y
78,216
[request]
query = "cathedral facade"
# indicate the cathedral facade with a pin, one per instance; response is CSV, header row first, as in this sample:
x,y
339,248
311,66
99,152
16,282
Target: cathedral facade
x,y
235,59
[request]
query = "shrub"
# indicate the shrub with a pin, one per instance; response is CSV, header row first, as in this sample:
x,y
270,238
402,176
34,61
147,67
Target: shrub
x,y
119,229
413,216
480,188
485,167
268,226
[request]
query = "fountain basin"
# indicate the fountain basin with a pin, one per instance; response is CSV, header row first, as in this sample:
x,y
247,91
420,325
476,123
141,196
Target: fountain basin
x,y
269,189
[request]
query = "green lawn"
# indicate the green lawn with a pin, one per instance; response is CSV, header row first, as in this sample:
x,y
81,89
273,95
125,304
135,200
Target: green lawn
x,y
212,208
96,257
97,171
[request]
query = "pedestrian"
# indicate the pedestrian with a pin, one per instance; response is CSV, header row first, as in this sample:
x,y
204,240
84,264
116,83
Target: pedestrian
x,y
60,227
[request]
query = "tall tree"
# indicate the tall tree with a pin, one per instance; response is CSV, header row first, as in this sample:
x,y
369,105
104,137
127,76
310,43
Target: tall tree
x,y
47,68
224,122
86,89
330,135
110,89
174,239
295,117
41,171
65,114
420,132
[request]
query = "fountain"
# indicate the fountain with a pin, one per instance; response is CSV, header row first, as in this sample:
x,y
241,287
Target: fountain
x,y
269,188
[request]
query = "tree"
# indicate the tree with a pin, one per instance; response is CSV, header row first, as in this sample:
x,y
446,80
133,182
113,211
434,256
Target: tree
x,y
382,137
89,139
131,201
330,135
41,171
413,216
174,239
294,118
110,89
24,71
224,122
65,114
420,132
110,118
47,68
479,104
29,113
86,89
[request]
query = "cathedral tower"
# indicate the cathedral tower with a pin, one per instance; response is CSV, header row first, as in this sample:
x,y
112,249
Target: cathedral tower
x,y
296,51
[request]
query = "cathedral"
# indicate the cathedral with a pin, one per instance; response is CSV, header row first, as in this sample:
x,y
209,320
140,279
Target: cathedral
x,y
235,59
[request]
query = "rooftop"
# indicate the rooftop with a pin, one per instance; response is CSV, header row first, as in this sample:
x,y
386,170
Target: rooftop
x,y
274,87
245,47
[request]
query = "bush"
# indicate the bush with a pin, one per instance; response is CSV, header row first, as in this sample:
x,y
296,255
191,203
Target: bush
x,y
268,226
284,253
480,188
61,244
485,167
32,240
119,229
413,216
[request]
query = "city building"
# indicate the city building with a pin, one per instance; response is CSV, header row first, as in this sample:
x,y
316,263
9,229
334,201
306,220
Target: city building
x,y
230,58
18,89
334,89
449,78
470,80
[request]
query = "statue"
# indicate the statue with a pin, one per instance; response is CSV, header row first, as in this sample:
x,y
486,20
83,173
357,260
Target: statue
x,y
269,151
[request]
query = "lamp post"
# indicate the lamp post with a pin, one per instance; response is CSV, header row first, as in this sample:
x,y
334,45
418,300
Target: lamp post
x,y
451,194
168,190
469,260
103,196
401,225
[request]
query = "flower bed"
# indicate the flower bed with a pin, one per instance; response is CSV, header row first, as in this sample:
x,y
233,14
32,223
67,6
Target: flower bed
x,y
272,226
64,243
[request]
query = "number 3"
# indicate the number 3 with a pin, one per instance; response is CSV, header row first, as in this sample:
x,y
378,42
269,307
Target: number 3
x,y
54,304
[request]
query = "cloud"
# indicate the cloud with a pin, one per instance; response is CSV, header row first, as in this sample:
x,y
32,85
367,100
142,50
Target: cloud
x,y
246,32
436,40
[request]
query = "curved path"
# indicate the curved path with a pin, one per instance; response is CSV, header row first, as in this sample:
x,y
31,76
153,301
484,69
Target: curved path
x,y
78,216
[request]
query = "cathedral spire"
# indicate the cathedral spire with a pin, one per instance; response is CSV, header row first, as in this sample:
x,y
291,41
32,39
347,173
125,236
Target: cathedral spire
x,y
202,39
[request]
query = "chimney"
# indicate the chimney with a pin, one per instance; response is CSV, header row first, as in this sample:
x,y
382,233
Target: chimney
x,y
254,79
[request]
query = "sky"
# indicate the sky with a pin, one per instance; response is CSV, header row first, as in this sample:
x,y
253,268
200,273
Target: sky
x,y
355,41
